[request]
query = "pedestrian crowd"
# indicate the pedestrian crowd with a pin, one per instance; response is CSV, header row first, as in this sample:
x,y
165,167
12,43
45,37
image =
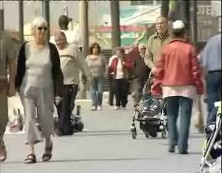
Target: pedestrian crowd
x,y
48,76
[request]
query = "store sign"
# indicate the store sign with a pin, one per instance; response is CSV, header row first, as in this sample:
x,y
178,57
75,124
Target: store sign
x,y
204,10
216,7
129,34
213,9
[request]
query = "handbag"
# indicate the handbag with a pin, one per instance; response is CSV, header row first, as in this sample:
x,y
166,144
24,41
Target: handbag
x,y
16,122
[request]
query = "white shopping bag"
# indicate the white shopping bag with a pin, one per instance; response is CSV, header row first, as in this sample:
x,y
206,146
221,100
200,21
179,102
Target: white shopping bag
x,y
16,121
55,113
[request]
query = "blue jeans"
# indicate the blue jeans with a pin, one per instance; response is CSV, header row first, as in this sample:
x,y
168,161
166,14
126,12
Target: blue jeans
x,y
97,91
176,106
213,85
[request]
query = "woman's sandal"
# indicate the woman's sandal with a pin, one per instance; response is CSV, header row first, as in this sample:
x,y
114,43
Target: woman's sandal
x,y
48,153
3,154
30,159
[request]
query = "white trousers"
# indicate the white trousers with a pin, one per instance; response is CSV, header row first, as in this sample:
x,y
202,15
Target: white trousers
x,y
37,102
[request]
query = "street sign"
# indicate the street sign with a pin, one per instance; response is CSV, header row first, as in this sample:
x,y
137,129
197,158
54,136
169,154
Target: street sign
x,y
216,8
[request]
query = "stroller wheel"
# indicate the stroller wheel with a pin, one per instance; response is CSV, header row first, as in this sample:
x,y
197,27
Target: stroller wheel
x,y
134,133
163,134
146,134
80,126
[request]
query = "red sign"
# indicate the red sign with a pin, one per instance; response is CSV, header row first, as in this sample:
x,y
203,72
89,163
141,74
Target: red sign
x,y
122,28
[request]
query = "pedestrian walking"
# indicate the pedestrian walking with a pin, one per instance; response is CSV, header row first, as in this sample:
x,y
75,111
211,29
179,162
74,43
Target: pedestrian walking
x,y
211,63
97,66
39,81
71,36
7,85
178,79
156,42
141,72
72,63
121,67
111,83
198,110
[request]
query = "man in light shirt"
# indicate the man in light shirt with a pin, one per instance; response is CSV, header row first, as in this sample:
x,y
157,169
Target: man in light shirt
x,y
211,63
72,62
156,42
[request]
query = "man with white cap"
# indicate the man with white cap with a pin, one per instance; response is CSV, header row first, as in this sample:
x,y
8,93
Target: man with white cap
x,y
177,80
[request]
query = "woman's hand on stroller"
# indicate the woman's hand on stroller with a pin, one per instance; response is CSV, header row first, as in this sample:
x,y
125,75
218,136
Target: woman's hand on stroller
x,y
153,70
157,96
58,100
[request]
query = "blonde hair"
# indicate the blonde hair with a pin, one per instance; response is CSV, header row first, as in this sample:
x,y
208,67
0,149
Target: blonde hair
x,y
37,22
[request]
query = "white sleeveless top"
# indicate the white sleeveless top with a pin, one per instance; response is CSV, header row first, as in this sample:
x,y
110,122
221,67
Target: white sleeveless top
x,y
38,67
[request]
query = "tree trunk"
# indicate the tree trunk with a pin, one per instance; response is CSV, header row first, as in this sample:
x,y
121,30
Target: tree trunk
x,y
165,8
84,25
116,41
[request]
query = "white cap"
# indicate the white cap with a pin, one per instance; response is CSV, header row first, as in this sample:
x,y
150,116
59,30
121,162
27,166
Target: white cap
x,y
178,24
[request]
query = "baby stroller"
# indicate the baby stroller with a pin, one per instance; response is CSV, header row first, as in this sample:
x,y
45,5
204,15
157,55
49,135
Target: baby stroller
x,y
150,113
213,145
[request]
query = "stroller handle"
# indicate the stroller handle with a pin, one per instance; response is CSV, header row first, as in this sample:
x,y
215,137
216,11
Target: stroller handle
x,y
150,75
218,105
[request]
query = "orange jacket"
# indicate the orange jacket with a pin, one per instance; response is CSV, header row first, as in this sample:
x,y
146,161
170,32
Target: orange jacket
x,y
177,66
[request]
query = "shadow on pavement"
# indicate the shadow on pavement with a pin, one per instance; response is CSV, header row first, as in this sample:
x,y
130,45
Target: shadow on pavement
x,y
83,160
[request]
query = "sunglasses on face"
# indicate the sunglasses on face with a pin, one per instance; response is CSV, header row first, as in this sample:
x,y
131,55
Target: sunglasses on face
x,y
42,28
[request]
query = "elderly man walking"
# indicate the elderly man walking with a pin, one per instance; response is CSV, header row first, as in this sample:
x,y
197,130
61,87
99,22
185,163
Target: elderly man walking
x,y
7,86
141,72
72,62
211,62
156,42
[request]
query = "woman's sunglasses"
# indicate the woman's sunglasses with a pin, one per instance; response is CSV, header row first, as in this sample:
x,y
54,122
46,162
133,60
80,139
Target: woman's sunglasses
x,y
42,28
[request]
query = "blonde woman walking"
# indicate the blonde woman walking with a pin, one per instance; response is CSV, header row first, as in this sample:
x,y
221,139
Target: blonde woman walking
x,y
39,81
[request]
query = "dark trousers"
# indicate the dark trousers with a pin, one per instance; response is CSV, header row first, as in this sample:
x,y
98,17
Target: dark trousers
x,y
66,107
138,85
121,92
213,85
111,90
176,106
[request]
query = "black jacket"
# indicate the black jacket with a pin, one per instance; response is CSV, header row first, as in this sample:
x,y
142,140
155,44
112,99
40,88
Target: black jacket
x,y
140,68
56,69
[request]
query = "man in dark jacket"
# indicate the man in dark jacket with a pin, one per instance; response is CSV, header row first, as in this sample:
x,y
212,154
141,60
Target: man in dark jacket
x,y
141,72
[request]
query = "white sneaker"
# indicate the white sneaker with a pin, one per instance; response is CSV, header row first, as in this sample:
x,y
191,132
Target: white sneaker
x,y
116,108
99,108
93,108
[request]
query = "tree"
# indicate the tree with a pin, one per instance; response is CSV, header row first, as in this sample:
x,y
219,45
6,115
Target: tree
x,y
165,8
114,6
